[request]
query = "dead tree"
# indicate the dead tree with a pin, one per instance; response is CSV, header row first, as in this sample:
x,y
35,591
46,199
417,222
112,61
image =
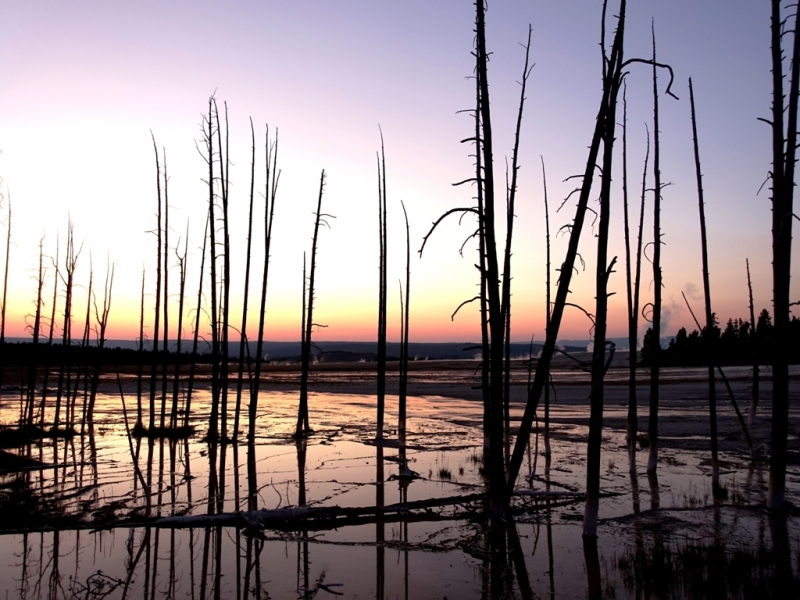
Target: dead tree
x,y
548,310
655,342
173,422
784,152
271,188
46,380
37,324
633,272
303,429
494,301
208,135
157,316
101,318
165,266
709,333
541,376
224,167
405,310
64,375
243,330
5,289
138,428
83,368
754,349
613,72
382,291
198,313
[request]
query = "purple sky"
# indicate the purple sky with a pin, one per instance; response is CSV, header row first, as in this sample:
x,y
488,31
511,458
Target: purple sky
x,y
83,83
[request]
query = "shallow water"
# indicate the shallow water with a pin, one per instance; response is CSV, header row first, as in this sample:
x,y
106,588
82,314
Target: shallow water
x,y
661,539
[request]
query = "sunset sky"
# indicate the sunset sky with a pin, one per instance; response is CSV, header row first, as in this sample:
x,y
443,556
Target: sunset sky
x,y
83,84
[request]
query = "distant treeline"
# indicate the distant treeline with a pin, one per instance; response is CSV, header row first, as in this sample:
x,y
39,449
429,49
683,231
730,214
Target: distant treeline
x,y
737,344
19,353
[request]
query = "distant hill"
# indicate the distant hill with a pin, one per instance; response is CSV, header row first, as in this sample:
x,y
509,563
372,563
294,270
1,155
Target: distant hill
x,y
357,351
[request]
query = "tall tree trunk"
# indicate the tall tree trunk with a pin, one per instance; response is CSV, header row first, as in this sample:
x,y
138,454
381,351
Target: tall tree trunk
x,y
784,148
548,311
382,291
655,341
5,291
176,384
157,318
613,80
754,349
271,188
198,312
405,310
139,427
303,429
70,262
243,330
633,289
101,317
213,422
37,323
165,358
709,332
226,266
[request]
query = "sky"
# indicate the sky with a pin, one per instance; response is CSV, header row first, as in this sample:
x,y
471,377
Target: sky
x,y
84,85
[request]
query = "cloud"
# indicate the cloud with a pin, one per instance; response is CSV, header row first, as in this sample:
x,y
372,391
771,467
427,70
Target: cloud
x,y
669,311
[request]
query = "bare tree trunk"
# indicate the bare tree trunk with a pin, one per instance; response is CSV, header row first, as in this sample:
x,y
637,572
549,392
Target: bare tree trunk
x,y
226,266
198,312
655,350
633,290
548,312
754,349
45,383
157,318
213,422
37,323
303,429
612,80
784,148
5,290
382,291
243,330
139,426
165,358
176,384
271,189
70,420
405,310
102,323
511,194
709,331
70,263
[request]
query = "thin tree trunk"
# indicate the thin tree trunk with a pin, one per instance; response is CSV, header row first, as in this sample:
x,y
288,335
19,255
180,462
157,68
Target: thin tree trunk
x,y
655,350
213,422
139,426
243,330
382,291
709,332
5,291
165,358
603,270
70,263
157,318
303,428
755,352
46,381
102,324
548,311
176,384
226,266
784,151
198,312
405,310
269,211
37,323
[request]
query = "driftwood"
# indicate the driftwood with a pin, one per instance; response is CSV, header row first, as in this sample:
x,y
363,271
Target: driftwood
x,y
320,518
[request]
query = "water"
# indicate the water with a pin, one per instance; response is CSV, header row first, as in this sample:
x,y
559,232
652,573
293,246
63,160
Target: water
x,y
660,539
